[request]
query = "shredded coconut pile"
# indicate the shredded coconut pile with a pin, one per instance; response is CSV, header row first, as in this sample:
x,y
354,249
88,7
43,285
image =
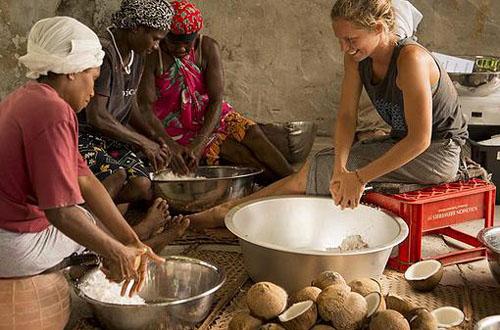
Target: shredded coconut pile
x,y
97,287
170,176
352,242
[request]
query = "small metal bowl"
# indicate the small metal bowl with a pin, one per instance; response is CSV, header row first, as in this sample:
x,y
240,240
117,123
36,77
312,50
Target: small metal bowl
x,y
294,138
490,238
488,323
178,294
484,81
222,183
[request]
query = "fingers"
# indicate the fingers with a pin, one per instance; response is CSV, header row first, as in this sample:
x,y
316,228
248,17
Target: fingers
x,y
154,257
124,288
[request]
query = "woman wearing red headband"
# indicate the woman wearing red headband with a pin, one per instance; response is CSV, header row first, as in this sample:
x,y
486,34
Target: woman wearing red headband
x,y
182,95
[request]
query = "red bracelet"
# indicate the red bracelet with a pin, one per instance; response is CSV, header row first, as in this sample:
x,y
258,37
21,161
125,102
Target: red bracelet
x,y
359,177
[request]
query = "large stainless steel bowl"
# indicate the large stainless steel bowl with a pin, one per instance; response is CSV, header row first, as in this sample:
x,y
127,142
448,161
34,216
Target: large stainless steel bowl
x,y
222,183
490,238
483,81
290,240
178,295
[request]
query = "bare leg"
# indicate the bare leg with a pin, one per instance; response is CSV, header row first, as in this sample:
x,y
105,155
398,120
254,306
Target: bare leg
x,y
138,188
156,217
237,153
114,183
174,229
294,184
266,152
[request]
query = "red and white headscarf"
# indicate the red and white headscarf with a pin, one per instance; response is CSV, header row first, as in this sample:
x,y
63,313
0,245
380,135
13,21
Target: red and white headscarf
x,y
187,18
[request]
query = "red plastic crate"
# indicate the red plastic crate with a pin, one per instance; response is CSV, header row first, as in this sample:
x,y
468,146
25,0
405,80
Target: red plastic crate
x,y
432,211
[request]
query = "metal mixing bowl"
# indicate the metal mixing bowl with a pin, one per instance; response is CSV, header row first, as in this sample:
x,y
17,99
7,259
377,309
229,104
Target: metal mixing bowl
x,y
482,82
178,295
490,238
222,183
293,138
290,240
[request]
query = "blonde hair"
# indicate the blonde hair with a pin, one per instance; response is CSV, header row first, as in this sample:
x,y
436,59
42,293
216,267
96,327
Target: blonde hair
x,y
365,13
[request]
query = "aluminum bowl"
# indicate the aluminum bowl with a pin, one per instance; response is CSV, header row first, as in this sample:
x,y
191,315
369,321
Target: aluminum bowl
x,y
488,323
290,240
222,183
483,81
178,295
490,238
294,138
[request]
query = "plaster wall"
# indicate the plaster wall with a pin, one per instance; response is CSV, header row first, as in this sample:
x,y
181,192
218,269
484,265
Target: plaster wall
x,y
282,61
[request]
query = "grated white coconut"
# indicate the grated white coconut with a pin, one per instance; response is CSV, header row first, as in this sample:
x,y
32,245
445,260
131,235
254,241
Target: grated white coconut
x,y
98,287
170,176
353,242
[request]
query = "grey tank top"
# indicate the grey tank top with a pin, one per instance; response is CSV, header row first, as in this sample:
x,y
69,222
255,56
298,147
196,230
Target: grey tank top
x,y
447,119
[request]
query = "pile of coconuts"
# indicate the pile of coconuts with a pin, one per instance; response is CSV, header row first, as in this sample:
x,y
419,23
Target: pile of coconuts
x,y
330,304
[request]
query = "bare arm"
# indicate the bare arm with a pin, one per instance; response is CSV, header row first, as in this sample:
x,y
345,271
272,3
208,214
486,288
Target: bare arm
x,y
101,119
416,71
347,114
214,77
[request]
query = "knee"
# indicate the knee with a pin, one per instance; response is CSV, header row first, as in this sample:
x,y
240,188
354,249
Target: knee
x,y
142,187
120,174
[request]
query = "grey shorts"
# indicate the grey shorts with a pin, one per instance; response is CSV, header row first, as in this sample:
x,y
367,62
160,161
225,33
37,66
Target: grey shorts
x,y
438,164
26,254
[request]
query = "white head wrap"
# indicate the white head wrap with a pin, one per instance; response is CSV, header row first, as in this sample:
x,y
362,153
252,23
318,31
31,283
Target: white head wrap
x,y
61,45
407,18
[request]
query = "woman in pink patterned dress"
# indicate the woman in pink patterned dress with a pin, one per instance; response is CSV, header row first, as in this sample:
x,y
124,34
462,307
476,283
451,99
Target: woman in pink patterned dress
x,y
181,96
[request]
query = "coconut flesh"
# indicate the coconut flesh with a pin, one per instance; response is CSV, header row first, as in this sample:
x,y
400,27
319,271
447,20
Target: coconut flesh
x,y
424,275
266,300
448,316
302,315
374,303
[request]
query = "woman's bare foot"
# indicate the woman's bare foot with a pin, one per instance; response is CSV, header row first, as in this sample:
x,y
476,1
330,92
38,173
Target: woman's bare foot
x,y
156,217
211,218
174,229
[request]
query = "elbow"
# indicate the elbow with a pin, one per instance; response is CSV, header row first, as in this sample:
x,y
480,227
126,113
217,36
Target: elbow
x,y
419,143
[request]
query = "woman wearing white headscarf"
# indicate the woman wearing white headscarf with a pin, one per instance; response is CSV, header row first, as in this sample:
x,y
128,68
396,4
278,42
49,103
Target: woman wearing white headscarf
x,y
44,178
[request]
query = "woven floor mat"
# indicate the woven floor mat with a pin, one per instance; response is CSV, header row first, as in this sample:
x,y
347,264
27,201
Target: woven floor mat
x,y
394,283
485,302
210,236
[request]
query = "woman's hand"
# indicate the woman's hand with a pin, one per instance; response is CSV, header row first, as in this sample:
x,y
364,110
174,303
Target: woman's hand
x,y
346,189
130,264
178,162
193,156
158,155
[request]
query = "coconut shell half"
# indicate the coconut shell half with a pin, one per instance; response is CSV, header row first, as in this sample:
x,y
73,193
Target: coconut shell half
x,y
398,304
424,275
389,320
299,316
448,316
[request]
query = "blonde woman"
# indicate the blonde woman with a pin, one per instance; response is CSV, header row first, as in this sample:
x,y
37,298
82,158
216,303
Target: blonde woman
x,y
410,91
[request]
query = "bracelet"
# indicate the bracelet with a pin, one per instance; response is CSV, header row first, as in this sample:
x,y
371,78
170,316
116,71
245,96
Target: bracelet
x,y
359,177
